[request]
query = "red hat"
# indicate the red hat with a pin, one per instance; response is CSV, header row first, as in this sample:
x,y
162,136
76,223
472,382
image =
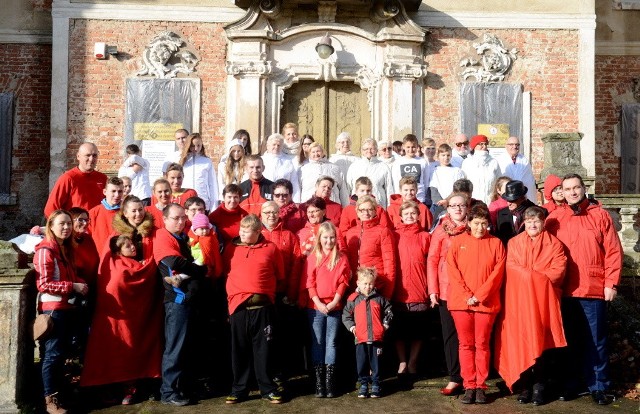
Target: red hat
x,y
478,139
551,182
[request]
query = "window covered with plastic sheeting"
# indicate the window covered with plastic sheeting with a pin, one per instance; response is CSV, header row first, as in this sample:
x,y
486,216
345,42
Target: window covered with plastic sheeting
x,y
6,140
629,148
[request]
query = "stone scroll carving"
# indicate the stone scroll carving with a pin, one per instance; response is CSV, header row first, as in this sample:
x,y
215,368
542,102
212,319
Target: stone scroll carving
x,y
159,54
495,61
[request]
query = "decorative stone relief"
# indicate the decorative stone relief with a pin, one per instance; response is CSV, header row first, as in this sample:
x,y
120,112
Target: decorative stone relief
x,y
384,10
327,11
404,70
249,68
369,81
494,63
163,48
271,8
562,155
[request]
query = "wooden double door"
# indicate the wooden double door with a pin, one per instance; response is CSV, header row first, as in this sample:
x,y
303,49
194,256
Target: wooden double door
x,y
325,109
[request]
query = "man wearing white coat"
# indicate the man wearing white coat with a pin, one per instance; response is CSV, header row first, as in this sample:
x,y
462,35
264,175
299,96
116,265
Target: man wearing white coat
x,y
515,166
373,168
278,165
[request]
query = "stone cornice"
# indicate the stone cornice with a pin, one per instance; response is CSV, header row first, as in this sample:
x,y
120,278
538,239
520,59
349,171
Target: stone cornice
x,y
505,20
615,48
25,36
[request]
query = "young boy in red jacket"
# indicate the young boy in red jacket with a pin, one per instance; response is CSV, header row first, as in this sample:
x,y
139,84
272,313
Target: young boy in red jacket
x,y
367,316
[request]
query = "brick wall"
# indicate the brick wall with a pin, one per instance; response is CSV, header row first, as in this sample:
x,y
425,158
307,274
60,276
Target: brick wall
x,y
547,66
97,87
614,82
26,72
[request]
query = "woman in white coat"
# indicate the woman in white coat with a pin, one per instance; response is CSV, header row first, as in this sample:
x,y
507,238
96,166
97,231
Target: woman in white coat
x,y
199,172
375,169
278,165
318,166
482,169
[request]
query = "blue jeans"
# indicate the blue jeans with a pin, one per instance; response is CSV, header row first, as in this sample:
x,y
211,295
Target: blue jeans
x,y
367,356
176,329
585,324
54,349
324,331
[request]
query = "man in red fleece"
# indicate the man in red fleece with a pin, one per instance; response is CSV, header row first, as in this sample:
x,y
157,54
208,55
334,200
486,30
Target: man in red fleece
x,y
227,216
257,189
254,268
78,187
101,216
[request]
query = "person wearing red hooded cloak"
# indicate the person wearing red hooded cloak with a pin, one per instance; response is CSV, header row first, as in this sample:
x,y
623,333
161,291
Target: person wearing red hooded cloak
x,y
530,322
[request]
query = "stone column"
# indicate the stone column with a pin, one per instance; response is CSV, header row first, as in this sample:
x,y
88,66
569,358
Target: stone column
x,y
17,311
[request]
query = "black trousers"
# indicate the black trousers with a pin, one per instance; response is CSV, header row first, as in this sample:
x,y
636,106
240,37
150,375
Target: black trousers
x,y
451,345
251,342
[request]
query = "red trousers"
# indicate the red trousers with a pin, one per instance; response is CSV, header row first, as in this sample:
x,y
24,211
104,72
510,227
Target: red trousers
x,y
474,335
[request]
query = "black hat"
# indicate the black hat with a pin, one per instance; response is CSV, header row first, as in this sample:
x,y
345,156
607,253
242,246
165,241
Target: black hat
x,y
514,190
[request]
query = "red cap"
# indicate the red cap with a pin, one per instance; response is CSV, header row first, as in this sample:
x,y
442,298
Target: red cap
x,y
478,139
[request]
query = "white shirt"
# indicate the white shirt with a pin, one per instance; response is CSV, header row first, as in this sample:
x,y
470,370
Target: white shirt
x,y
172,158
379,174
140,186
343,161
413,167
309,174
199,174
443,178
280,166
520,170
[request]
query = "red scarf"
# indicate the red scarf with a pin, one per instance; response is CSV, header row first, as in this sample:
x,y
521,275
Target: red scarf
x,y
451,228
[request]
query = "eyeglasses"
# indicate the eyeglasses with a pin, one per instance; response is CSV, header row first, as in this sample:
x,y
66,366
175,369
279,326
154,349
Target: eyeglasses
x,y
457,206
462,144
281,195
558,189
366,210
312,212
270,213
82,220
513,145
179,218
387,148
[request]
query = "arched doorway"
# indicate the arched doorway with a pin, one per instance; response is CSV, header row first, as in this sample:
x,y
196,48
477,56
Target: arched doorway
x,y
325,109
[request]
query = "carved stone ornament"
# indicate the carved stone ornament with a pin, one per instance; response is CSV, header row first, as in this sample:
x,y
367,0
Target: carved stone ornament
x,y
562,155
494,63
404,70
162,49
249,68
327,11
636,89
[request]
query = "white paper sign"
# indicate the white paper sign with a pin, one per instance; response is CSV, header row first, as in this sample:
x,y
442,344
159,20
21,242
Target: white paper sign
x,y
156,152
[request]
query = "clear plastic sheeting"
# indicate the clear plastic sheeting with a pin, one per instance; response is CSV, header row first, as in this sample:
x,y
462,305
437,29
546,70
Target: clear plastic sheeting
x,y
164,102
629,148
490,103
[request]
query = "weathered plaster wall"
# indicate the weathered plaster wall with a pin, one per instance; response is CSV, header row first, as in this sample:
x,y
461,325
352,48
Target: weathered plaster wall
x,y
616,25
97,87
547,66
25,15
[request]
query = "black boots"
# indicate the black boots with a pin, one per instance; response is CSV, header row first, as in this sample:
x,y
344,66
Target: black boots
x,y
331,381
320,388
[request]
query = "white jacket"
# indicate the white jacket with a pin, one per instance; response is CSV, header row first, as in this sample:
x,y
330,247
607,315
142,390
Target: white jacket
x,y
200,175
280,166
172,158
343,161
520,170
140,186
309,174
483,171
379,174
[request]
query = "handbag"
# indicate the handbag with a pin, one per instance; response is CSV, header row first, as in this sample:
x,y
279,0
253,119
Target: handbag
x,y
42,326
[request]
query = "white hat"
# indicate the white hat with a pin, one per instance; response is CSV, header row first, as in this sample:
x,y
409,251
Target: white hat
x,y
233,143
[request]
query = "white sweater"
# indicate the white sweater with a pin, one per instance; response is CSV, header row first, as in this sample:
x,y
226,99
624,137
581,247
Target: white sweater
x,y
280,166
140,186
200,175
442,180
413,167
379,174
221,183
343,161
309,174
483,171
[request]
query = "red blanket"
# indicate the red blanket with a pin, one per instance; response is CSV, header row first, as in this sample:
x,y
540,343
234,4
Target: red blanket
x,y
126,338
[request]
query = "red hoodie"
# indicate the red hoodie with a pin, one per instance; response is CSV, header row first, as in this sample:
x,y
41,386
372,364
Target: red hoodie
x,y
324,282
426,219
251,269
349,217
289,247
227,222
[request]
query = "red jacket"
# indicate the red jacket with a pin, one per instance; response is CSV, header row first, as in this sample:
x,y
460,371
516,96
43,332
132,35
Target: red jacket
x,y
176,197
551,205
293,218
349,218
372,245
75,188
227,222
158,217
307,237
592,247
255,194
101,225
54,277
86,259
334,210
437,278
426,219
370,315
411,277
324,282
210,251
289,247
252,269
475,268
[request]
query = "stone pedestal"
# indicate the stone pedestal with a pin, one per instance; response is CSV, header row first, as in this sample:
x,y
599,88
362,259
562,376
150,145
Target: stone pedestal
x,y
562,155
17,310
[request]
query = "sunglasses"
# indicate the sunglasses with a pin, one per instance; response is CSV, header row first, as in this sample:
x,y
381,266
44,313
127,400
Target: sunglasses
x,y
387,148
461,144
281,195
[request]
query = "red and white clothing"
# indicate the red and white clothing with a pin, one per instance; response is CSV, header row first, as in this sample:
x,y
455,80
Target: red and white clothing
x,y
75,188
55,277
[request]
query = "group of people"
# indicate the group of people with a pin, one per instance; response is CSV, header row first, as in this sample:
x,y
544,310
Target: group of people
x,y
364,245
